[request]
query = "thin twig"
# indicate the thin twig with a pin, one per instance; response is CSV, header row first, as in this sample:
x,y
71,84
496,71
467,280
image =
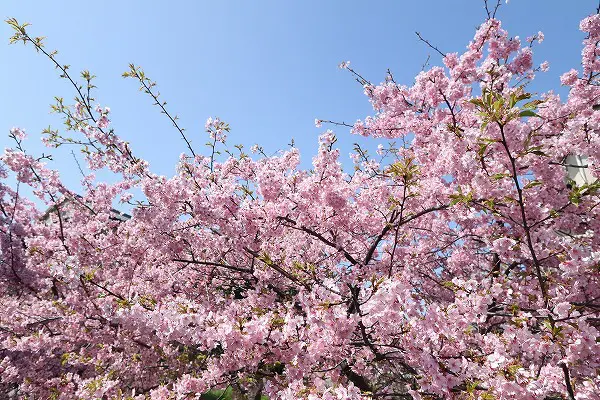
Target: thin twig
x,y
77,162
430,45
491,13
570,390
147,85
426,62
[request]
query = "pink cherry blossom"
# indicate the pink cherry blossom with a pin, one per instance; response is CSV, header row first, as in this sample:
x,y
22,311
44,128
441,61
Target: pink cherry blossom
x,y
459,262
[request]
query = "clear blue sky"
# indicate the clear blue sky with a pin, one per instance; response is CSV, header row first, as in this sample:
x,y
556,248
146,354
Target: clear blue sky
x,y
269,68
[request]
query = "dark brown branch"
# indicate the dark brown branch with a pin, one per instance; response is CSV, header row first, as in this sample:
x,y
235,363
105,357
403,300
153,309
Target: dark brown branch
x,y
379,238
358,380
107,290
277,268
78,89
426,63
430,45
427,211
44,321
322,238
525,225
214,264
565,369
162,106
491,13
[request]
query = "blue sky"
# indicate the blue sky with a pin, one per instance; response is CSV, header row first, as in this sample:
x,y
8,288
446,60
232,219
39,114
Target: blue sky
x,y
269,68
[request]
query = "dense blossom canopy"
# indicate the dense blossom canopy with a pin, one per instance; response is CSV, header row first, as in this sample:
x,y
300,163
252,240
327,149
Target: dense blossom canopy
x,y
458,263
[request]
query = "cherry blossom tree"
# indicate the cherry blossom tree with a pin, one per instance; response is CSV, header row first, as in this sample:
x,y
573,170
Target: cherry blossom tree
x,y
460,262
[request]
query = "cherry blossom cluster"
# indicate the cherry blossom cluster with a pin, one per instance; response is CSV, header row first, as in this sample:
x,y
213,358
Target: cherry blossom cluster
x,y
462,264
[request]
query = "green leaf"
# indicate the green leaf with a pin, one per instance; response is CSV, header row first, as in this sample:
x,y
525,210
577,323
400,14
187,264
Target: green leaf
x,y
482,149
532,104
575,198
455,200
498,104
523,96
499,176
528,113
532,184
512,100
477,102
